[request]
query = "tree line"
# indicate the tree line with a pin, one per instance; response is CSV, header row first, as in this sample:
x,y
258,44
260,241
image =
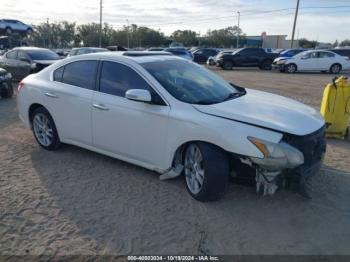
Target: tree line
x,y
66,34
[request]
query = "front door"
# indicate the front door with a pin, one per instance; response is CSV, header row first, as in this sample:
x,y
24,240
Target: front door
x,y
131,129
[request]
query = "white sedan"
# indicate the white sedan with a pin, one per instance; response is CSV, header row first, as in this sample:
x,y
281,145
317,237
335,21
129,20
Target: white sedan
x,y
174,117
315,60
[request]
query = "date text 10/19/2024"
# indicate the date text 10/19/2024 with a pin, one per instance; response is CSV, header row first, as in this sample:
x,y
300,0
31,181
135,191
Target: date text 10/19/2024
x,y
174,258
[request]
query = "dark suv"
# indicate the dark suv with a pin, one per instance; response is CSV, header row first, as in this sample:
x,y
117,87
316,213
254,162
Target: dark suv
x,y
246,57
341,51
22,61
201,55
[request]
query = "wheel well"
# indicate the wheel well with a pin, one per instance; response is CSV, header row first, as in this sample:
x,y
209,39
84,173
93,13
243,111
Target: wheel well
x,y
178,155
32,108
296,67
336,64
266,60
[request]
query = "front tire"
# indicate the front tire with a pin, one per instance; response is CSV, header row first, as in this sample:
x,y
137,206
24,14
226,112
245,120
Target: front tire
x,y
6,90
291,68
206,171
44,129
335,69
266,65
227,65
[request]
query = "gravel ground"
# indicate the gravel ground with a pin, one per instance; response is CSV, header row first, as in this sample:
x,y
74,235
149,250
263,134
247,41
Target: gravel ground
x,y
75,202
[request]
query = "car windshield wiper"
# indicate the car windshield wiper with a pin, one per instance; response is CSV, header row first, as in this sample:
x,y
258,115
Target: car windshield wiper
x,y
233,95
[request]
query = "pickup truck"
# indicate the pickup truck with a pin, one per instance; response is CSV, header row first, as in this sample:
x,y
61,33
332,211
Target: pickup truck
x,y
246,57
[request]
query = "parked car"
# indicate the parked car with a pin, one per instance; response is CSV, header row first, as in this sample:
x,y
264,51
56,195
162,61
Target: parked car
x,y
6,89
156,49
212,59
22,61
181,52
10,26
291,52
201,55
174,117
315,60
86,50
341,51
246,57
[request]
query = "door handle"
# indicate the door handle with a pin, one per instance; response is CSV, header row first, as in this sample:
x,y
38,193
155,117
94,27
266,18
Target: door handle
x,y
53,95
100,106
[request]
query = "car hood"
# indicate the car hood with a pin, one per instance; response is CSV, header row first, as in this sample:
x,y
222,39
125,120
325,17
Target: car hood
x,y
45,62
281,58
269,111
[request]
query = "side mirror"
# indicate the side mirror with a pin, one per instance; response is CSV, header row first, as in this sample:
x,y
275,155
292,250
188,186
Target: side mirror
x,y
140,95
304,57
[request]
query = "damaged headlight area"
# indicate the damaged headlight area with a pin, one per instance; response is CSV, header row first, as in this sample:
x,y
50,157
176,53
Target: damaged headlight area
x,y
277,156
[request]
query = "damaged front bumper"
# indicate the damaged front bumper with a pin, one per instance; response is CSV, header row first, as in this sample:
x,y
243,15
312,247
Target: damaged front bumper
x,y
312,147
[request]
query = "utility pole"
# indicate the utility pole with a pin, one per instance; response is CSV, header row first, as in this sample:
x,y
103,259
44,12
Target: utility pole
x,y
48,32
100,31
127,32
239,16
294,24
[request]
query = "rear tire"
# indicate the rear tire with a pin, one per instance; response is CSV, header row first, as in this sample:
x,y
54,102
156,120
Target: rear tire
x,y
266,65
335,69
206,171
6,90
291,68
44,129
227,65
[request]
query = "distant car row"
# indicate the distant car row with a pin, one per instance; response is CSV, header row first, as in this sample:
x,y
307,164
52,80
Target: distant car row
x,y
289,61
23,61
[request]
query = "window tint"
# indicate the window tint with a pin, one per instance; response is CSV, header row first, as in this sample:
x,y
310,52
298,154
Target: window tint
x,y
57,75
11,55
116,79
326,55
80,73
22,55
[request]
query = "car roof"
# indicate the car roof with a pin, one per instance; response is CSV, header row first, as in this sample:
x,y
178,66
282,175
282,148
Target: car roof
x,y
89,48
29,48
136,56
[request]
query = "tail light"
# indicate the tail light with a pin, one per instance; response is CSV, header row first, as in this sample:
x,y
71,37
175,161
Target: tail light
x,y
20,86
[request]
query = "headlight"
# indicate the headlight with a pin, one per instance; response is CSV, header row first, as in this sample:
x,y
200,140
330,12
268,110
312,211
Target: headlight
x,y
281,62
33,66
8,75
276,155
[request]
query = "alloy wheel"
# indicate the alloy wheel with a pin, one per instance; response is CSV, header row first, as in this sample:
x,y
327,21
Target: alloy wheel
x,y
42,129
194,169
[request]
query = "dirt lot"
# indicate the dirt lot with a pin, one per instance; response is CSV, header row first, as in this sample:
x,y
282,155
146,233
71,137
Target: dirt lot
x,y
73,201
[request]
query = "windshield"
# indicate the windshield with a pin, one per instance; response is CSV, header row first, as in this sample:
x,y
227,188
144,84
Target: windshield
x,y
42,55
237,51
189,82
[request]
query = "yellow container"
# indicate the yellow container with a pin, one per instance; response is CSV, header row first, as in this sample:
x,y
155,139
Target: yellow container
x,y
335,107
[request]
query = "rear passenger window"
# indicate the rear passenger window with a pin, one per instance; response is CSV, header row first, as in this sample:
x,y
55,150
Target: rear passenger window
x,y
80,73
116,79
11,55
58,73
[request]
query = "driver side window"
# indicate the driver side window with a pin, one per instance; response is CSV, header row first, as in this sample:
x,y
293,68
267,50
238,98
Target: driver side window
x,y
117,78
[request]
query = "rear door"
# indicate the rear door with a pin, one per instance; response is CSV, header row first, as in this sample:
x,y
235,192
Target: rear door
x,y
326,59
68,99
130,129
23,64
9,63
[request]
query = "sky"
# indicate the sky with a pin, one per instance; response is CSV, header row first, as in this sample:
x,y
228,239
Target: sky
x,y
321,20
